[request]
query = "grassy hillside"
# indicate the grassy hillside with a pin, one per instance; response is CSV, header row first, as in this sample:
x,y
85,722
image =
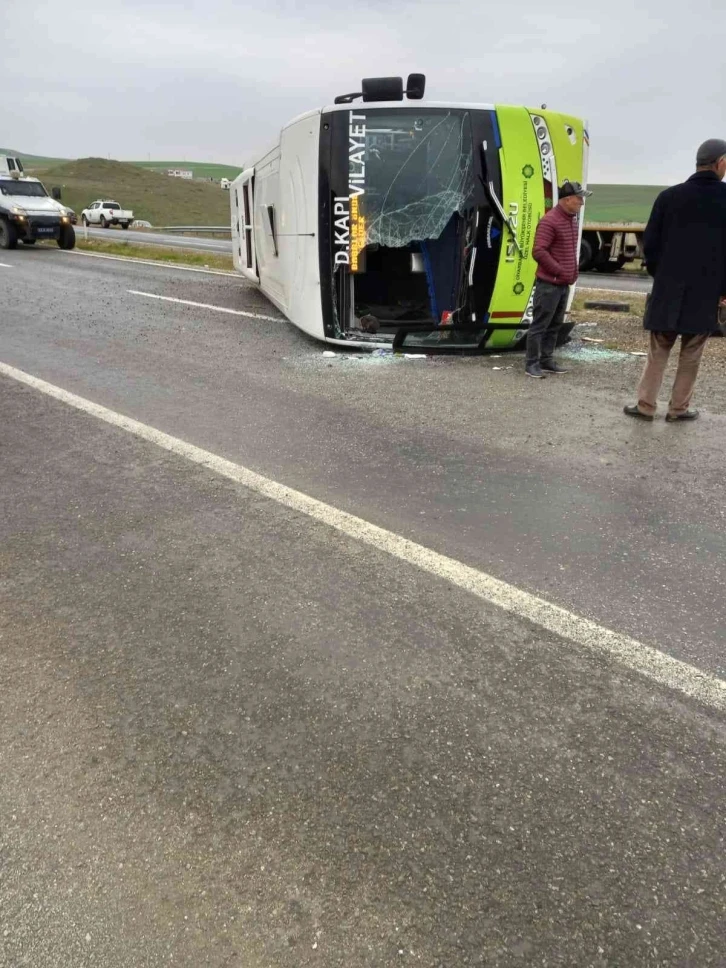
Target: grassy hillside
x,y
621,203
159,199
201,169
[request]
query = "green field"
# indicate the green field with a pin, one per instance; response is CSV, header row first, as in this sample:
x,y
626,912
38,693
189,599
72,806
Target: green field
x,y
620,203
157,198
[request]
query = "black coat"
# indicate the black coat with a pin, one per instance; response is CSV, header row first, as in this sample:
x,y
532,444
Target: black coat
x,y
685,252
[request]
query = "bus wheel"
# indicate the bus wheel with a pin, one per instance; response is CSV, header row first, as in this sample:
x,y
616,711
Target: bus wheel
x,y
564,334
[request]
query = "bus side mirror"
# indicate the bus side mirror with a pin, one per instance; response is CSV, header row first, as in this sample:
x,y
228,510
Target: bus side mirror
x,y
415,86
56,193
382,89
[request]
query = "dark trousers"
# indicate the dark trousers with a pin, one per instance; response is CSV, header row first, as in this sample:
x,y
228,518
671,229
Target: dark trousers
x,y
550,303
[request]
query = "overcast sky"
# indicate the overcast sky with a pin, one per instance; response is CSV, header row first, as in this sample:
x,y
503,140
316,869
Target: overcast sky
x,y
215,80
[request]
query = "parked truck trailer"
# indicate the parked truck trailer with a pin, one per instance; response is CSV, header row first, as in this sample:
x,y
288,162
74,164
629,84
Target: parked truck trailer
x,y
607,247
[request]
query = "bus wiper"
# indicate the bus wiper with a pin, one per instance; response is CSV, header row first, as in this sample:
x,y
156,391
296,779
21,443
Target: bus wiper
x,y
507,219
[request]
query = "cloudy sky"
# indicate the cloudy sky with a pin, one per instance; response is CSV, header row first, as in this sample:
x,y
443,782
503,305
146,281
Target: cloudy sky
x,y
213,80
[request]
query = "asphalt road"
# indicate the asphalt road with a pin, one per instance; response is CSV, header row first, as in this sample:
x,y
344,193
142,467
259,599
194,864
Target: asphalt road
x,y
233,735
620,282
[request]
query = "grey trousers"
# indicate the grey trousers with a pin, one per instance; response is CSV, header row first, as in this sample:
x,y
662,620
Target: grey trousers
x,y
550,303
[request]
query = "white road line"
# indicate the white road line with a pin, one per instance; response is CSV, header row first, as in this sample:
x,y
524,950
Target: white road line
x,y
5,265
217,309
159,263
644,659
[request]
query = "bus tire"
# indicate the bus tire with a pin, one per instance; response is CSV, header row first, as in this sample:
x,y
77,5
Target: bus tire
x,y
564,334
124,225
8,235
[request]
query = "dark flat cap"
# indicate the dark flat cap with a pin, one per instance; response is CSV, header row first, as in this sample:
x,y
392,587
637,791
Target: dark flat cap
x,y
710,152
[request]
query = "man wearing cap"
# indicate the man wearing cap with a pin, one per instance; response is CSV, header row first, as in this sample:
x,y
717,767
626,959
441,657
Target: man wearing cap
x,y
555,250
685,252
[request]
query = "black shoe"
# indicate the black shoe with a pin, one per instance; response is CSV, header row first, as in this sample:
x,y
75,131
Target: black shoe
x,y
688,415
535,370
634,412
551,367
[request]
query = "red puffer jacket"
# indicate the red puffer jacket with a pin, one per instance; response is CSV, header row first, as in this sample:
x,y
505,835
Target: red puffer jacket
x,y
555,247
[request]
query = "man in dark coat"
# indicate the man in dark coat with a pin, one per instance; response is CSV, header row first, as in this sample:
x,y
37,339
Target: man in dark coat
x,y
685,252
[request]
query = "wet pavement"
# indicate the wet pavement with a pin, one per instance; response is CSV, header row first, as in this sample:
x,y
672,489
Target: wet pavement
x,y
231,736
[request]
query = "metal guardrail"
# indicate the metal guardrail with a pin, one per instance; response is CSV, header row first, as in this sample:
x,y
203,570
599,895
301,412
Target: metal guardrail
x,y
197,229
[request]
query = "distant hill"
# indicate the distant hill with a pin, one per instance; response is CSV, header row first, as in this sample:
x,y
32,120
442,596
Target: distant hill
x,y
32,161
201,169
616,203
158,198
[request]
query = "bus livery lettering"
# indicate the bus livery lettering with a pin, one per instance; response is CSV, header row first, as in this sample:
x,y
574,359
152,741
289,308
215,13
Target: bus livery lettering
x,y
356,188
342,230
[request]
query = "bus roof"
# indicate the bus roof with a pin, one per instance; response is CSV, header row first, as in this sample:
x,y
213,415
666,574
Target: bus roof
x,y
411,105
392,105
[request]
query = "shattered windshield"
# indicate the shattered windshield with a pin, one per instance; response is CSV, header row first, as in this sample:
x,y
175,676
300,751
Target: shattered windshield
x,y
418,173
405,218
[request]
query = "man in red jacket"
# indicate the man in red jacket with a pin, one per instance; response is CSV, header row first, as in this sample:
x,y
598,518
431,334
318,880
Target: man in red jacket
x,y
556,253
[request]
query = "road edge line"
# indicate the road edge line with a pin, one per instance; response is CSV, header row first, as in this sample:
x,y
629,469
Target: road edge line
x,y
198,305
649,662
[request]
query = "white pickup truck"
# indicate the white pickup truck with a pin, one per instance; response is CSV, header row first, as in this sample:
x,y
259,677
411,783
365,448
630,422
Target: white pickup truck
x,y
106,213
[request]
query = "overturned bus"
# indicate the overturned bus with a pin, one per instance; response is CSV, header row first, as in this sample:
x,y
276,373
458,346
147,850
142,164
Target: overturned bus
x,y
388,220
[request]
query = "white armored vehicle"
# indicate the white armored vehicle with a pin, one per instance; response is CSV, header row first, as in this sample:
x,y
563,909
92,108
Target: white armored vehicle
x,y
27,211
